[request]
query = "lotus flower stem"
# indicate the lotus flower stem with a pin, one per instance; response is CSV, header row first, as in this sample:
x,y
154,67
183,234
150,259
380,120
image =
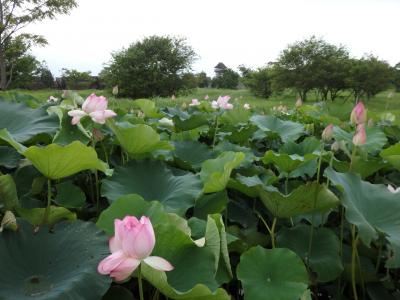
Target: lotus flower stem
x,y
378,261
215,131
354,237
330,165
96,178
47,210
271,230
140,282
353,155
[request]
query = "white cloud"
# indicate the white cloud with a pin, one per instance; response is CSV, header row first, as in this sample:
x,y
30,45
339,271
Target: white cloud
x,y
251,32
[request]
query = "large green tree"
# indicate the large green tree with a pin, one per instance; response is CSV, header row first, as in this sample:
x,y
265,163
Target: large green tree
x,y
311,64
368,76
154,66
17,14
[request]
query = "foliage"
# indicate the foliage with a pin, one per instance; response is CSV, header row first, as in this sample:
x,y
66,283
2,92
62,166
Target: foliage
x,y
153,66
76,80
227,79
259,81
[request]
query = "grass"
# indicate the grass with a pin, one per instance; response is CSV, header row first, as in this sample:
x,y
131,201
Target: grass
x,y
379,104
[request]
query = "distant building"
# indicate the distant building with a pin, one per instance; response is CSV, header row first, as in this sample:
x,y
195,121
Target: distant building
x,y
220,68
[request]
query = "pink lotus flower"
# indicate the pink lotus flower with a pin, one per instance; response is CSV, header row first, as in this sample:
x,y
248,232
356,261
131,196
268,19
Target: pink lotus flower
x,y
393,190
132,244
246,106
206,97
222,102
327,133
358,114
195,102
360,137
95,107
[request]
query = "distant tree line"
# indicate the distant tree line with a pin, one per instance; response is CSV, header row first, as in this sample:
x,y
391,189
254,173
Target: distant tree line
x,y
161,66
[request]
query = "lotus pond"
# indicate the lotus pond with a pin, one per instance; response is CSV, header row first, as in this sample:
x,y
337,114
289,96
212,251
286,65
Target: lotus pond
x,y
206,200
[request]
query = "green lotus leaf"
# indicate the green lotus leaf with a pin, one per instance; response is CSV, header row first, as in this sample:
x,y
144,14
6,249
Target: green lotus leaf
x,y
210,204
240,134
153,181
392,155
307,146
35,216
195,268
185,121
236,116
304,199
61,264
9,157
118,292
324,259
7,137
225,146
215,173
376,139
273,274
56,162
138,140
148,107
372,208
191,153
23,123
69,195
8,192
287,130
364,167
288,164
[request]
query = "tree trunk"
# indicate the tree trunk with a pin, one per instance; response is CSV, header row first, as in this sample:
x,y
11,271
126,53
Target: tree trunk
x,y
3,71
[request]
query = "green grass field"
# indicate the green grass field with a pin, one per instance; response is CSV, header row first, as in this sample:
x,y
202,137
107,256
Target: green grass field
x,y
381,103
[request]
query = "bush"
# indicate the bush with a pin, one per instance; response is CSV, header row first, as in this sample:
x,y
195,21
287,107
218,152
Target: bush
x,y
152,67
228,79
259,82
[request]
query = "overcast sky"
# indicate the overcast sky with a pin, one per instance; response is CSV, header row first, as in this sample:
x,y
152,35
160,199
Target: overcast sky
x,y
251,32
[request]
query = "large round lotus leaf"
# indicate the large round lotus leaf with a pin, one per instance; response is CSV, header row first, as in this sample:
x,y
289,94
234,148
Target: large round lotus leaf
x,y
372,208
273,274
307,146
138,140
56,162
392,155
9,157
153,181
53,265
8,192
324,258
148,107
215,173
305,199
191,154
24,123
186,121
287,130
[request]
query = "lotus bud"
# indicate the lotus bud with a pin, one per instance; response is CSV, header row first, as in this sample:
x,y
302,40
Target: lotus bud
x,y
173,97
360,137
327,133
115,90
206,97
358,114
335,146
195,102
9,222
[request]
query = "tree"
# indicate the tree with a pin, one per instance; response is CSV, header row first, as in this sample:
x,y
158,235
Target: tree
x,y
368,76
228,79
258,81
311,64
152,67
396,77
203,80
17,14
21,67
76,80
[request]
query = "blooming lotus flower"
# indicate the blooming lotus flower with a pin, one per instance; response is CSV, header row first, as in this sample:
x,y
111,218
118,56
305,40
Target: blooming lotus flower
x,y
393,190
358,114
166,122
360,137
299,102
95,107
52,99
132,244
194,102
327,133
206,97
222,102
246,106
